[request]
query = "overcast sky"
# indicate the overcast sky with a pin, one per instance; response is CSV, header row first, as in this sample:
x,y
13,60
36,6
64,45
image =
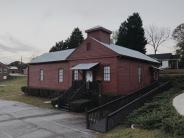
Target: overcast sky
x,y
30,27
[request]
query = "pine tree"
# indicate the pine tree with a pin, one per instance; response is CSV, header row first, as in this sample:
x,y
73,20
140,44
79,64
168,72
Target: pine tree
x,y
122,39
73,41
131,34
76,38
58,46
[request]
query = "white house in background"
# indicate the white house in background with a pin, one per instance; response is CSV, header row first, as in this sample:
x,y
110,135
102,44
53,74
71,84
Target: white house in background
x,y
168,60
13,69
4,71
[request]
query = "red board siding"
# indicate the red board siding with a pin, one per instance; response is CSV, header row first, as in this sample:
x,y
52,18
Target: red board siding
x,y
2,73
101,36
128,75
50,76
96,51
102,55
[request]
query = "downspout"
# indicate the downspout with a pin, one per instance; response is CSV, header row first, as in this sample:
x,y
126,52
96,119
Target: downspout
x,y
117,75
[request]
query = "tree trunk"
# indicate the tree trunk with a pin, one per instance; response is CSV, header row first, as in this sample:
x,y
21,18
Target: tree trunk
x,y
155,51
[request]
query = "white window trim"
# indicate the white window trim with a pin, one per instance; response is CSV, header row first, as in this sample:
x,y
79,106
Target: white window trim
x,y
61,75
107,73
41,74
76,75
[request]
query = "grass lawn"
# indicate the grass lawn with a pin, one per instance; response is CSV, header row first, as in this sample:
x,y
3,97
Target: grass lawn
x,y
11,90
156,119
124,132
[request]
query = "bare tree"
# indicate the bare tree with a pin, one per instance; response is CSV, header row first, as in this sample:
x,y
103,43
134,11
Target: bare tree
x,y
156,36
114,37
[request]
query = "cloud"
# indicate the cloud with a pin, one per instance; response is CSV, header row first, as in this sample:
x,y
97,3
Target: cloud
x,y
11,44
6,48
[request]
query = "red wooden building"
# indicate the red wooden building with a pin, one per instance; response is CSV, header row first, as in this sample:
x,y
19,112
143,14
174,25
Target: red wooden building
x,y
4,71
120,70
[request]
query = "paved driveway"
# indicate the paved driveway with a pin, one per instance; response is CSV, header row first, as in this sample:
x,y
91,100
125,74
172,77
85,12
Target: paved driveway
x,y
19,120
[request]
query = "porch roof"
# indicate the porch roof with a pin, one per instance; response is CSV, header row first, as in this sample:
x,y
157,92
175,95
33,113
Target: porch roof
x,y
156,68
84,66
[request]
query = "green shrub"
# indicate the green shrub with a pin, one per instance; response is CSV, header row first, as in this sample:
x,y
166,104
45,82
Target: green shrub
x,y
41,92
24,89
148,120
174,125
159,113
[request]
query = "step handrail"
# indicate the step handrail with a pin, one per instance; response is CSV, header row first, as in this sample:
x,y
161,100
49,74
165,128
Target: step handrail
x,y
114,118
78,91
113,101
116,111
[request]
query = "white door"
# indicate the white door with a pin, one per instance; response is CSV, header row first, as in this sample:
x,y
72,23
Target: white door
x,y
4,77
89,76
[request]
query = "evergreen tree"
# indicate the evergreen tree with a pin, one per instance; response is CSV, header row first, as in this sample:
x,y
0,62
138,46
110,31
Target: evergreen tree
x,y
76,38
122,39
73,41
66,44
131,34
58,46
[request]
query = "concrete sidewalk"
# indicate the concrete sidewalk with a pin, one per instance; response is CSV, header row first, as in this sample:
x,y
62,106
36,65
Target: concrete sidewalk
x,y
178,103
19,120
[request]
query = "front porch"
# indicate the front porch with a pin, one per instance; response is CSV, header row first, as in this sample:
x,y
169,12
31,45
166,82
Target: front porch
x,y
79,97
85,72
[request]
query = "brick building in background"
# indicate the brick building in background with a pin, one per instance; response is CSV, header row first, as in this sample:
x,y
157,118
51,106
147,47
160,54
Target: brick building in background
x,y
4,71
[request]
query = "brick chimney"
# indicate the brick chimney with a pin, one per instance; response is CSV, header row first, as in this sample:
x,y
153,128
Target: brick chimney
x,y
100,33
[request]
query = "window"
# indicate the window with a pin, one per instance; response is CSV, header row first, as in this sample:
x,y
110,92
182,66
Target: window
x,y
0,70
5,70
139,74
60,75
76,75
41,75
107,73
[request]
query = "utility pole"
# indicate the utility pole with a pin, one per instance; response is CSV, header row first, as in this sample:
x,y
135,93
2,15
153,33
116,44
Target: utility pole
x,y
21,60
21,64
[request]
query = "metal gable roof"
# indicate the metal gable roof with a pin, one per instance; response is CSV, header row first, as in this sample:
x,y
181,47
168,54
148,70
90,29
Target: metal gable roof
x,y
52,56
164,56
63,55
127,52
161,56
2,65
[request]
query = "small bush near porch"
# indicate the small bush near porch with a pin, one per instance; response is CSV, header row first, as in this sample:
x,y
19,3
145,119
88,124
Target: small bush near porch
x,y
11,90
41,92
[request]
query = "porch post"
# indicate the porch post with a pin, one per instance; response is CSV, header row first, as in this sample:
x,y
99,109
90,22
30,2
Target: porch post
x,y
176,64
